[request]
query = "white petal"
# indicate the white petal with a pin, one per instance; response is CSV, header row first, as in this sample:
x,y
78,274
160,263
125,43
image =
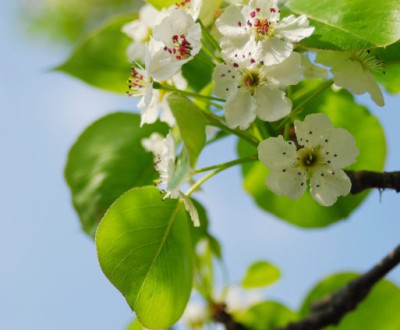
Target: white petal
x,y
314,130
240,110
310,70
341,149
225,77
265,6
295,29
150,107
328,185
228,23
272,104
276,153
161,67
291,183
189,206
166,114
287,72
273,50
136,51
239,49
154,143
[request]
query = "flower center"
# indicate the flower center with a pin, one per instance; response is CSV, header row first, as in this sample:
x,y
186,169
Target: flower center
x,y
308,157
367,61
181,47
252,79
262,27
185,4
137,82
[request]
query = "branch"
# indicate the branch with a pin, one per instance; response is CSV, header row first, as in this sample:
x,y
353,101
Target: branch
x,y
331,309
222,316
362,180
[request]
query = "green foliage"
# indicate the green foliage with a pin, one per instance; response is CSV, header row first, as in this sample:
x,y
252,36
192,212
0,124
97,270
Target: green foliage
x,y
305,212
198,72
160,4
267,315
191,124
391,65
349,24
100,59
380,310
259,274
144,248
135,325
106,161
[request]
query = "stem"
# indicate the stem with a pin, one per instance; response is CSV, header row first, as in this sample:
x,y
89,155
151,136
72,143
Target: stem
x,y
186,93
198,184
226,165
321,88
209,37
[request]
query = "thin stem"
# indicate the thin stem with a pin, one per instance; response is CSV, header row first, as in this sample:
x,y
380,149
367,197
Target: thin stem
x,y
198,184
209,37
226,165
186,93
321,88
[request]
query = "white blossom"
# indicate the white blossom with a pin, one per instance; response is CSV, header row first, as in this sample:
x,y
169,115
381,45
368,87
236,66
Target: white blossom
x,y
256,29
164,150
179,36
252,89
140,30
195,315
352,70
191,7
321,154
239,300
310,70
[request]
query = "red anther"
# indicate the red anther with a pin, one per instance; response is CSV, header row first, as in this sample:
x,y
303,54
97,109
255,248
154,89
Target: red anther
x,y
239,23
258,10
253,14
235,65
175,38
272,10
252,61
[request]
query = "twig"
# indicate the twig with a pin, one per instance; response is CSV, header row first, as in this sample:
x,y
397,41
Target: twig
x,y
222,316
362,180
331,309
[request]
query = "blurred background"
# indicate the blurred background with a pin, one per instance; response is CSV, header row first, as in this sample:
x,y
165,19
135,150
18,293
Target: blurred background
x,y
49,274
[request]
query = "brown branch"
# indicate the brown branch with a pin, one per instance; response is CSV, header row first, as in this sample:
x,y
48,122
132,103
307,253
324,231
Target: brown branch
x,y
220,315
331,309
362,180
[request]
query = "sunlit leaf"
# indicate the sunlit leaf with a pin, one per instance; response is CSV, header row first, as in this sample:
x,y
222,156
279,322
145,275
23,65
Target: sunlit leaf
x,y
379,310
305,212
144,248
106,161
191,124
350,24
391,67
100,59
259,274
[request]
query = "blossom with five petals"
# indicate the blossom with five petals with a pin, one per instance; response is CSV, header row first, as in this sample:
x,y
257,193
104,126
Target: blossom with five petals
x,y
252,89
256,29
318,156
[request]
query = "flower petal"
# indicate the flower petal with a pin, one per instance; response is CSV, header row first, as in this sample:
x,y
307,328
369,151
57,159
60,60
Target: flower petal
x,y
273,50
240,110
294,28
272,104
290,183
276,153
287,72
314,130
328,184
341,149
225,80
232,22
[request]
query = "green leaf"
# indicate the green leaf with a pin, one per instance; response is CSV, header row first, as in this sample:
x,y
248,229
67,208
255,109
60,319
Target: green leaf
x,y
259,274
135,325
267,315
100,59
305,212
198,72
106,161
391,65
145,250
380,310
349,24
191,124
160,4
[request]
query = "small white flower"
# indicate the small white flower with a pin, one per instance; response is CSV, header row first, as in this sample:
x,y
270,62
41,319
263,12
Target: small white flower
x,y
353,71
238,300
164,151
321,154
256,29
312,71
192,7
252,89
179,36
140,30
195,315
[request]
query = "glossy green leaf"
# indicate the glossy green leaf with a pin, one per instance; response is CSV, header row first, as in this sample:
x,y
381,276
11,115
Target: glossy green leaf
x,y
135,325
198,72
391,66
350,24
145,250
100,59
305,212
106,161
259,274
191,124
160,4
267,315
379,310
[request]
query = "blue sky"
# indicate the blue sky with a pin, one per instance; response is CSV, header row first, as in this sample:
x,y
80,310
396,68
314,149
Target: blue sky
x,y
49,275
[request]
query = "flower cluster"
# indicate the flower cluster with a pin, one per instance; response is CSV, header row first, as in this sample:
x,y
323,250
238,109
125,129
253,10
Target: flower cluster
x,y
252,52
